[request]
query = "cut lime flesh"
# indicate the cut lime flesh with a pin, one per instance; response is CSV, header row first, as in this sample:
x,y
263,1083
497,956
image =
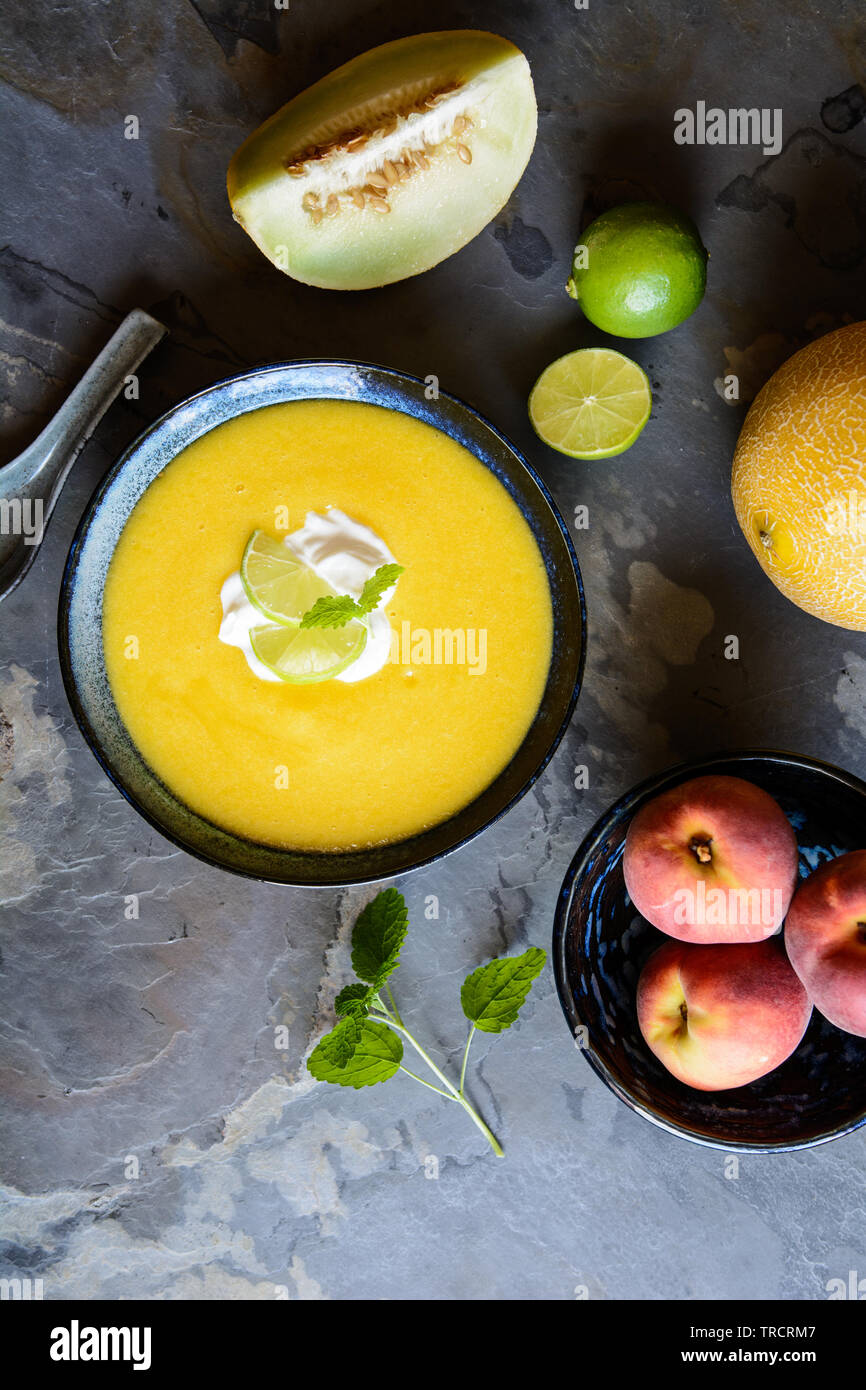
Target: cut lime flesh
x,y
302,656
590,404
276,582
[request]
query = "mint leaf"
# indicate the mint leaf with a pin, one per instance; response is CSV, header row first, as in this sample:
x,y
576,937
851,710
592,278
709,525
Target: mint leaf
x,y
337,610
344,1039
493,995
375,1057
377,585
353,1001
330,611
379,933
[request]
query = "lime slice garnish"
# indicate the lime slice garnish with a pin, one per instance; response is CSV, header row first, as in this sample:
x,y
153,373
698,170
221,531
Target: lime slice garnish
x,y
280,585
590,404
304,655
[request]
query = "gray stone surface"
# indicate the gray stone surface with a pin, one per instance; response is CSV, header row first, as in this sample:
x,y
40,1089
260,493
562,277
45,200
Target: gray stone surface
x,y
155,1038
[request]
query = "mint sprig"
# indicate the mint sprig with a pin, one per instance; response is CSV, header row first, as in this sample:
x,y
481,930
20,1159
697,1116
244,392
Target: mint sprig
x,y
366,1045
336,610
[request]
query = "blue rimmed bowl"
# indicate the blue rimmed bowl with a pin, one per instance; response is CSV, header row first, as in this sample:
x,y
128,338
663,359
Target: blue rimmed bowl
x,y
601,943
82,657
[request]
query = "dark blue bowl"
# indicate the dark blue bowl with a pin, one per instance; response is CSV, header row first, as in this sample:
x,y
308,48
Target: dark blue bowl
x,y
80,618
600,945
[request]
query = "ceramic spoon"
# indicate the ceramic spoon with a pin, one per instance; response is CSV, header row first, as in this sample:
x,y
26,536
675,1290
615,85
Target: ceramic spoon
x,y
30,485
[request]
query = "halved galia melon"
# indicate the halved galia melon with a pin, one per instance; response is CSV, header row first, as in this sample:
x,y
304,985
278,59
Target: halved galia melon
x,y
390,163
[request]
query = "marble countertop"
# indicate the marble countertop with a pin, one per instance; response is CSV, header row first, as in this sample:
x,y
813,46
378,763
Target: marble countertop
x,y
156,1142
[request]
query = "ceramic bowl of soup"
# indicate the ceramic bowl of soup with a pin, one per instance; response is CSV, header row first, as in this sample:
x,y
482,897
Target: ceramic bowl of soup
x,y
338,781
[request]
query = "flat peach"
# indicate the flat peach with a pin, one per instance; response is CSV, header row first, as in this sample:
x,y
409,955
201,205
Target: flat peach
x,y
825,935
721,1016
712,860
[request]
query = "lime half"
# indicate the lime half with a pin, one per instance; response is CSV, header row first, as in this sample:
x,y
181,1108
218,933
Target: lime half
x,y
304,655
590,404
280,585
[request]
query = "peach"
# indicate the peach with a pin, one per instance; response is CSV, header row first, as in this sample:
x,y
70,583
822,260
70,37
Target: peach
x,y
712,860
826,939
721,1016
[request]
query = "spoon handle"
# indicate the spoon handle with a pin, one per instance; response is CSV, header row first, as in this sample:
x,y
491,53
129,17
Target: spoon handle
x,y
44,465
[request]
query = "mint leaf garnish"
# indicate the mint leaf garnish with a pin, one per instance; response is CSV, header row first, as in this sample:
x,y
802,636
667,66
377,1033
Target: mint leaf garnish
x,y
375,1056
379,933
353,1001
330,611
493,994
337,610
377,585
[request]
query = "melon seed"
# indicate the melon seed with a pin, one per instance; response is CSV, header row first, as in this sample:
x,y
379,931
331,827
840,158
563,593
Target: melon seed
x,y
381,181
356,139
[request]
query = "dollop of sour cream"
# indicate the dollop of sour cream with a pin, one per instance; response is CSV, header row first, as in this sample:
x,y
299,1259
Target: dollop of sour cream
x,y
345,554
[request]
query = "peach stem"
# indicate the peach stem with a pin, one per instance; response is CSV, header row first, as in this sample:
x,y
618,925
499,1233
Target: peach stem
x,y
700,848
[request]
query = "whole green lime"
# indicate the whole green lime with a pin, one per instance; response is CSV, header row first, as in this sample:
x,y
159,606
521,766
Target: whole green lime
x,y
640,269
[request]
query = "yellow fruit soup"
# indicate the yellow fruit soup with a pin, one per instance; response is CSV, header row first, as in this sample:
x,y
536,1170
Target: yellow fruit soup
x,y
331,765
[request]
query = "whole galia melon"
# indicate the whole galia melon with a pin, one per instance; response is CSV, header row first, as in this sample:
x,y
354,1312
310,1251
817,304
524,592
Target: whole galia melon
x,y
799,477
